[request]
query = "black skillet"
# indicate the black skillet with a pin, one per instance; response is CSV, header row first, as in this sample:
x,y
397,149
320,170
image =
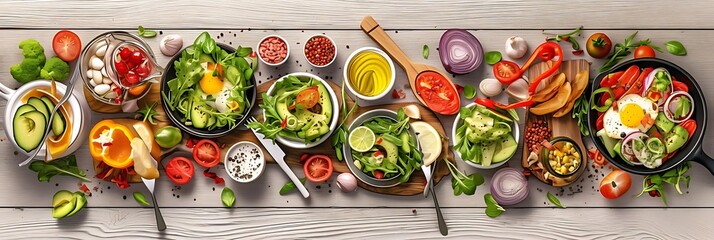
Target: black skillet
x,y
691,151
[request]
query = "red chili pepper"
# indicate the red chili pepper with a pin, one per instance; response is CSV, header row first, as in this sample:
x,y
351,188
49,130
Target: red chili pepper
x,y
578,52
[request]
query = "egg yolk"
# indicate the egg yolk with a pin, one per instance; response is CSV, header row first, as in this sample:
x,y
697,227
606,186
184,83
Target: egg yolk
x,y
631,115
210,84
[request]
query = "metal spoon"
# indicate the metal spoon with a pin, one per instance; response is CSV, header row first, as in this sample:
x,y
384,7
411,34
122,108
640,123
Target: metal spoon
x,y
67,93
443,229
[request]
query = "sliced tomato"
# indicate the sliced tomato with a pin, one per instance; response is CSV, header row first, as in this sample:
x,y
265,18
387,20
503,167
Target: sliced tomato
x,y
307,98
615,184
636,87
679,86
690,125
505,69
611,79
180,170
437,92
318,168
619,92
378,174
206,153
66,45
600,123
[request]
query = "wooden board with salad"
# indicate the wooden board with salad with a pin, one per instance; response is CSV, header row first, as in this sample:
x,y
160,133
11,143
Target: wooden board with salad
x,y
548,128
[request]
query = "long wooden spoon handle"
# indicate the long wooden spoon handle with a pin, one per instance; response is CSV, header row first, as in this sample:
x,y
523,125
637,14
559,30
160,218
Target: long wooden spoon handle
x,y
372,28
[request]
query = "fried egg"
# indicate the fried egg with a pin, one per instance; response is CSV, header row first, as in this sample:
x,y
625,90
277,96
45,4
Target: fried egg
x,y
627,114
220,99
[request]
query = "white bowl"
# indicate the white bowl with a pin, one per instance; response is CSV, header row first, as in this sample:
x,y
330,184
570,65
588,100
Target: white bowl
x,y
515,130
287,47
329,39
78,119
234,150
391,67
333,120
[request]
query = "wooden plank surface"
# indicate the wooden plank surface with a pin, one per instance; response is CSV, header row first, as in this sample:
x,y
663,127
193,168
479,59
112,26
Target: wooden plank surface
x,y
335,14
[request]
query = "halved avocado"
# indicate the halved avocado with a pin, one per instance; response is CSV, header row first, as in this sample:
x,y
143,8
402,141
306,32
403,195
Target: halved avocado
x,y
62,196
40,106
28,129
390,149
81,201
58,121
64,209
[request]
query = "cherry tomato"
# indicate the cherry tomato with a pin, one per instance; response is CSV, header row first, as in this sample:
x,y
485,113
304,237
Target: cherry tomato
x,y
66,45
179,170
131,78
378,174
206,153
598,45
437,92
308,97
615,184
121,68
136,57
143,70
644,52
125,53
505,69
690,125
318,168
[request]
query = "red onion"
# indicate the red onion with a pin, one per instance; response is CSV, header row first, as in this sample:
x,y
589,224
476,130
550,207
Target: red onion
x,y
669,110
509,186
650,79
626,149
460,52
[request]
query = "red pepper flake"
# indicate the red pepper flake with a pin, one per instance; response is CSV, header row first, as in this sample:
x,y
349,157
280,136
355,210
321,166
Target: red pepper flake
x,y
578,52
304,157
459,88
214,176
377,153
526,173
398,94
379,140
191,142
284,123
85,189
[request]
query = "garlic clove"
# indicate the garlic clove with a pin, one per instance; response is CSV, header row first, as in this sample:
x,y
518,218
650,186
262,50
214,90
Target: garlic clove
x,y
518,89
412,111
171,44
346,182
516,47
490,87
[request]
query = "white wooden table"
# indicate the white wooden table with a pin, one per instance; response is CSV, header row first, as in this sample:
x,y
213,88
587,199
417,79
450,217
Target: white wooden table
x,y
195,210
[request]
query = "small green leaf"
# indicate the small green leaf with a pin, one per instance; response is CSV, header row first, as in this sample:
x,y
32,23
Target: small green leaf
x,y
469,91
140,30
227,197
676,48
425,51
493,57
289,186
139,197
554,200
493,210
146,33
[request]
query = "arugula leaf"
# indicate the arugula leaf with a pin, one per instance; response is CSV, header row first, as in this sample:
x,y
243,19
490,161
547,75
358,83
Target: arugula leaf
x,y
227,197
66,166
139,197
493,57
461,183
673,177
493,210
425,51
554,200
289,186
469,91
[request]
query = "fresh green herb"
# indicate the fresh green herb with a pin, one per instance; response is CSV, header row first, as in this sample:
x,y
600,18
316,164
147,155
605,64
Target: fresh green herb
x,y
624,49
676,48
568,37
340,136
425,51
674,177
66,166
289,186
461,183
580,113
227,197
554,200
148,113
139,197
145,32
469,91
493,210
493,57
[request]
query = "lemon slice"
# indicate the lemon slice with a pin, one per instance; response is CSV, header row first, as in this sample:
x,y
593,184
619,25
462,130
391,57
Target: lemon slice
x,y
429,141
361,139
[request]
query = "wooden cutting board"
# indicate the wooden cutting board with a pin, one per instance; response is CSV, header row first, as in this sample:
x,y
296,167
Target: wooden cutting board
x,y
562,126
413,187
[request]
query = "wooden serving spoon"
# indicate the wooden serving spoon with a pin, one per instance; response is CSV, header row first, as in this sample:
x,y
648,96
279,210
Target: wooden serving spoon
x,y
413,70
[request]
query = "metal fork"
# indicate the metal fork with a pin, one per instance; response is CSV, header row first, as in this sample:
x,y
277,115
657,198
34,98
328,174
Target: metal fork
x,y
160,224
67,93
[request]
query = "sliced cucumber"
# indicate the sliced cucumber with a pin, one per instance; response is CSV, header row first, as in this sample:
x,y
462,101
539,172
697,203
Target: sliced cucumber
x,y
40,106
29,128
58,121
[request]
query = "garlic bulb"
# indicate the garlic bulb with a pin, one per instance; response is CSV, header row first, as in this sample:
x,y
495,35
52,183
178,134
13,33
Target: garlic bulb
x,y
516,47
519,89
490,87
171,44
346,182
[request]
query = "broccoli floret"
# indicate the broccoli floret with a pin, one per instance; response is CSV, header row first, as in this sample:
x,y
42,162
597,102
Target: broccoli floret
x,y
31,48
55,69
26,71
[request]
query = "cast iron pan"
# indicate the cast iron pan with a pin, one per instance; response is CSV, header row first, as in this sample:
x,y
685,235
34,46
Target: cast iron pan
x,y
170,73
691,151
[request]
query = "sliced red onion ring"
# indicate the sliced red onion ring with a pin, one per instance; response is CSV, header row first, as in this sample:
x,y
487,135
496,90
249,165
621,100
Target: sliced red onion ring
x,y
626,148
669,112
650,79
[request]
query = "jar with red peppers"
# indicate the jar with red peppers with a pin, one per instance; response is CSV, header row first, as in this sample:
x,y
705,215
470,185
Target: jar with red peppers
x,y
320,50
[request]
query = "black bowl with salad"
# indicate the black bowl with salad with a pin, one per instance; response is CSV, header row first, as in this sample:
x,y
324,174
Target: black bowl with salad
x,y
208,89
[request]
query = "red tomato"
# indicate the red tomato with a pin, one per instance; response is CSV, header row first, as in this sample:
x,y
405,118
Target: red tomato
x,y
125,53
598,45
66,45
644,52
437,92
143,70
378,174
132,78
318,168
206,153
121,68
615,184
629,77
679,86
308,97
600,123
505,69
136,57
690,125
179,170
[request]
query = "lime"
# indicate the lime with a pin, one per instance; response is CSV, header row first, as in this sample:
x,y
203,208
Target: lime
x,y
429,141
361,139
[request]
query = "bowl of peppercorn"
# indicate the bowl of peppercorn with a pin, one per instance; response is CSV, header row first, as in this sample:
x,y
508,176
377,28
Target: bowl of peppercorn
x,y
320,50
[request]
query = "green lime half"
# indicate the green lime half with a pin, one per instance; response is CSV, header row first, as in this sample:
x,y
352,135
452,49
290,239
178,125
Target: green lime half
x,y
361,139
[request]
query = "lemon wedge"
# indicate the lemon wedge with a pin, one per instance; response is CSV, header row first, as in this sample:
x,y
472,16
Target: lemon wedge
x,y
429,141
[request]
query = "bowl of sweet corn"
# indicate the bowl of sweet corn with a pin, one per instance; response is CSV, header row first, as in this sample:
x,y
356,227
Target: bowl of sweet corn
x,y
562,157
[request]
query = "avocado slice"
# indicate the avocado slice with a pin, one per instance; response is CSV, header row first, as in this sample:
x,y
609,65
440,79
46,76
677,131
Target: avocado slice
x,y
80,202
65,208
505,149
390,149
60,197
488,149
493,114
40,106
25,108
199,119
325,102
28,129
676,139
607,141
58,121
